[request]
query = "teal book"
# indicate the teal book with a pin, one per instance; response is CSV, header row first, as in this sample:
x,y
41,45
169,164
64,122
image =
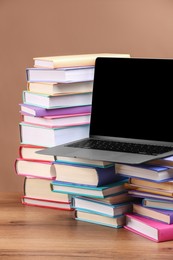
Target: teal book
x,y
94,218
89,191
100,207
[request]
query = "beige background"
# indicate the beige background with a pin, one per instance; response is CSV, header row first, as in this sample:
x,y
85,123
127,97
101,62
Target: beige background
x,y
55,27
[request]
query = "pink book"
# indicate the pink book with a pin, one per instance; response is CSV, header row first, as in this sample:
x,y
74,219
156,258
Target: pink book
x,y
148,228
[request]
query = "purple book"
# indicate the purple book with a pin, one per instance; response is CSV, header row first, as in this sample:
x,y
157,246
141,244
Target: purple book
x,y
38,111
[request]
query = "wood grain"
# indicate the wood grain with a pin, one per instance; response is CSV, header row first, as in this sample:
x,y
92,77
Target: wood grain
x,y
28,232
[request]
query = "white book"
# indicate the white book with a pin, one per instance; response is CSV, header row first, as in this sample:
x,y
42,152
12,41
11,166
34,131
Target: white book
x,y
70,74
48,137
46,101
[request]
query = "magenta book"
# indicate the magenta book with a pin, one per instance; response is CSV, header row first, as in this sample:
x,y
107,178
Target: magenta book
x,y
148,228
38,111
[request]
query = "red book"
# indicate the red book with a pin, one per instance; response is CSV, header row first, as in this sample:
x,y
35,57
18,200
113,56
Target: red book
x,y
39,169
46,203
151,229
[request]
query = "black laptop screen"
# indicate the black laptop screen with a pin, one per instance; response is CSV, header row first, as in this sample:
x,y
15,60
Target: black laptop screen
x,y
132,98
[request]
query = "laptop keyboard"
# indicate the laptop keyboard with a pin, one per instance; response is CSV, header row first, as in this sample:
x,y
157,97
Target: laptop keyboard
x,y
122,147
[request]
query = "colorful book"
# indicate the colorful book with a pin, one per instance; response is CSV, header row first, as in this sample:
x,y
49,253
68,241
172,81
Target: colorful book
x,y
106,191
85,174
39,188
163,203
29,152
54,88
57,121
39,111
162,215
60,101
48,137
39,169
145,171
130,186
166,161
88,216
60,75
166,185
46,203
148,228
82,161
99,207
72,60
142,194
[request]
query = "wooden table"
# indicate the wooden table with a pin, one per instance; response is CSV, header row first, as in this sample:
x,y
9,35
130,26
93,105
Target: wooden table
x,y
37,233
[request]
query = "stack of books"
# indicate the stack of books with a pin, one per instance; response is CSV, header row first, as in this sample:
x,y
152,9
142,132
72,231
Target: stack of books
x,y
56,109
98,194
152,183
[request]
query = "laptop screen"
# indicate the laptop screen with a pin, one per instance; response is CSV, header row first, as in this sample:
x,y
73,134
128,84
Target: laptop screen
x,y
132,98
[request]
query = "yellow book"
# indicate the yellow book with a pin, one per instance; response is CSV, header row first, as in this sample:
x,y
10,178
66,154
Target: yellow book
x,y
72,60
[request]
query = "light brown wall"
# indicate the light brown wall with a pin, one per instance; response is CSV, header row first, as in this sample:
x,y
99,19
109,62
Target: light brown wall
x,y
55,27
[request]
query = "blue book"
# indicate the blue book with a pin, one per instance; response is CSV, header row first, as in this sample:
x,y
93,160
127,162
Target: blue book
x,y
89,191
164,204
85,174
158,214
145,171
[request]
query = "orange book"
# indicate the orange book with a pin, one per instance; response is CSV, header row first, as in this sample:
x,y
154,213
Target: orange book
x,y
72,60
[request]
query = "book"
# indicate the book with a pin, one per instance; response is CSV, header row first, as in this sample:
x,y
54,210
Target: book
x,y
130,186
54,88
158,203
39,111
105,191
39,169
46,203
48,137
72,60
88,216
60,75
162,215
148,228
145,171
39,188
82,161
166,185
60,101
58,121
142,194
167,161
28,152
85,174
99,207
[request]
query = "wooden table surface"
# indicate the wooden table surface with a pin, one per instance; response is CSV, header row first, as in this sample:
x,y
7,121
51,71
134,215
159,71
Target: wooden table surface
x,y
28,232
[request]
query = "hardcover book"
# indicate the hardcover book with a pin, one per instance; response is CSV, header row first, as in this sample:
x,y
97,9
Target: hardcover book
x,y
148,228
72,60
145,171
88,216
48,137
85,174
158,203
39,169
99,207
105,191
39,111
60,101
39,188
57,121
46,203
60,75
162,215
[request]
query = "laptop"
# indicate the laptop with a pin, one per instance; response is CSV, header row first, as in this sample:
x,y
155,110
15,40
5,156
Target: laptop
x,y
131,116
